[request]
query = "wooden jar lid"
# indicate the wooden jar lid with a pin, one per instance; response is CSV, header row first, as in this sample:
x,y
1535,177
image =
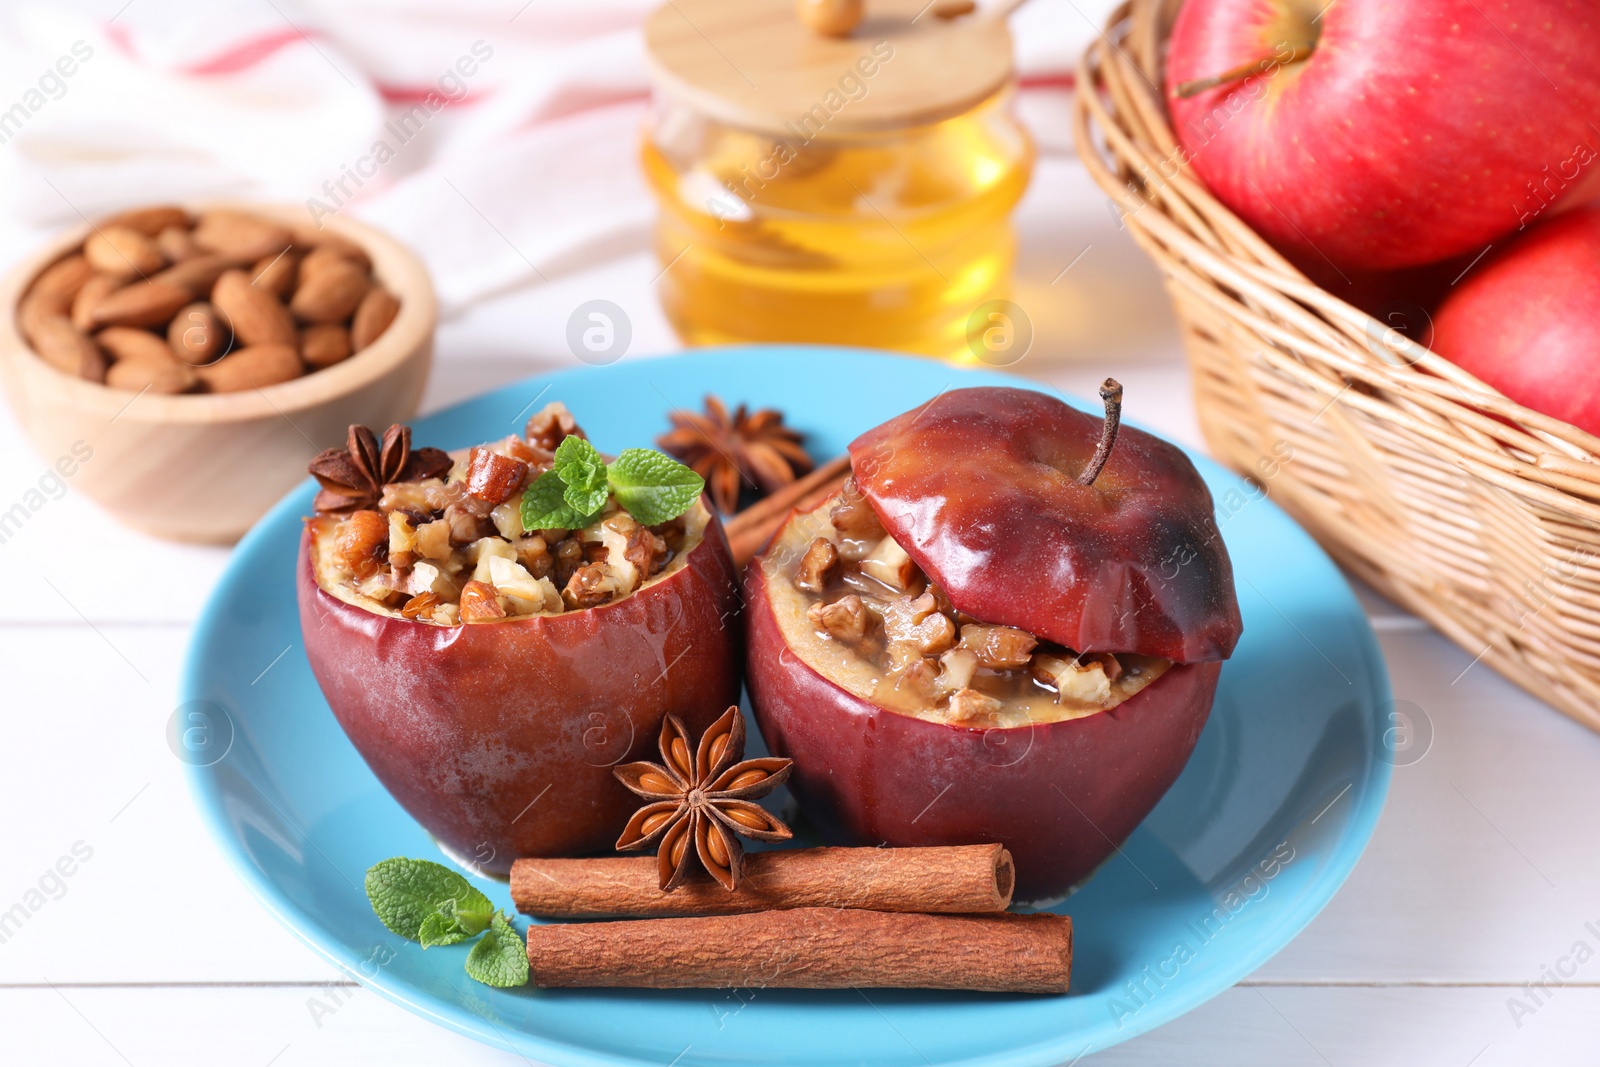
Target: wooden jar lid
x,y
752,63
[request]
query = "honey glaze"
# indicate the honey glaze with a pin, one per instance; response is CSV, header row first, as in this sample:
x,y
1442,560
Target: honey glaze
x,y
1024,700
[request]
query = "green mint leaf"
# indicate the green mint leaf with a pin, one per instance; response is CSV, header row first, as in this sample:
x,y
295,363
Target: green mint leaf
x,y
439,929
652,487
470,915
583,470
574,454
405,892
544,505
586,491
501,958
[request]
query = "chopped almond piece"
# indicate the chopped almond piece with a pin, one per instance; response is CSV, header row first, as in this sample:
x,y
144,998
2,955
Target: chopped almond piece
x,y
479,603
493,477
890,564
363,543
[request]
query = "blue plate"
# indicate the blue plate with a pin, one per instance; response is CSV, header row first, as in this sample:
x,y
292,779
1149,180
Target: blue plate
x,y
1256,836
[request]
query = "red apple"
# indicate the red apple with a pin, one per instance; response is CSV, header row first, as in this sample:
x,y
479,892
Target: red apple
x,y
1382,134
1527,321
982,488
499,738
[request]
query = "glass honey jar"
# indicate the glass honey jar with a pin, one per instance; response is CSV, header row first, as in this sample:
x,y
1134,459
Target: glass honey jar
x,y
854,190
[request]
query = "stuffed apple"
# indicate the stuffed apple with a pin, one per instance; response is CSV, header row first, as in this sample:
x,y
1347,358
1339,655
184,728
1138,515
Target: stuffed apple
x,y
1007,626
495,629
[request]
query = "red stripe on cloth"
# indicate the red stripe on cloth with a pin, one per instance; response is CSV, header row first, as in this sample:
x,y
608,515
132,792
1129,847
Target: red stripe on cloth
x,y
418,94
246,53
1066,80
118,35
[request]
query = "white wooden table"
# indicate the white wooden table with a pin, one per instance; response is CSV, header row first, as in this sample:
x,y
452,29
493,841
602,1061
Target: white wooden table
x,y
1484,871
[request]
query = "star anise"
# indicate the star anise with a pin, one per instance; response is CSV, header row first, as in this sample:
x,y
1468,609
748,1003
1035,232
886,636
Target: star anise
x,y
700,804
353,477
755,448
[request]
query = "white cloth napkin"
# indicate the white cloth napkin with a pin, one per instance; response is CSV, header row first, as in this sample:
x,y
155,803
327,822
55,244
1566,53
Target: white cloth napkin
x,y
498,139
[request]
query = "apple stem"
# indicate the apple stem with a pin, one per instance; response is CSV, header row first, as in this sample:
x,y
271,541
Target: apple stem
x,y
1111,395
1244,70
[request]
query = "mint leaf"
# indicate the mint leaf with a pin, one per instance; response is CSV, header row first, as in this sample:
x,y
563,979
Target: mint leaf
x,y
544,505
405,893
470,915
583,469
575,454
439,929
586,491
652,487
456,921
501,958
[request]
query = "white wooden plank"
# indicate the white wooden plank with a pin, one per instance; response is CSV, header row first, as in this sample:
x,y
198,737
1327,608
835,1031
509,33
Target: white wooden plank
x,y
1271,1026
1483,866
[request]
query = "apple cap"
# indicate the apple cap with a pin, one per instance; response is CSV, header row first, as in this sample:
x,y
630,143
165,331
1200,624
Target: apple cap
x,y
980,487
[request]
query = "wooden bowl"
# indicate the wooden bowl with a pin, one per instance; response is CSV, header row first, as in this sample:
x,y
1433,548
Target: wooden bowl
x,y
203,467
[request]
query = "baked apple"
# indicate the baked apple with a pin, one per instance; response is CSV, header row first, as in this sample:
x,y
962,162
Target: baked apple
x,y
495,629
1006,627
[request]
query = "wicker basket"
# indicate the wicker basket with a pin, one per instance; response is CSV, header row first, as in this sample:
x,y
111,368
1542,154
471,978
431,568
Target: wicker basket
x,y
1476,513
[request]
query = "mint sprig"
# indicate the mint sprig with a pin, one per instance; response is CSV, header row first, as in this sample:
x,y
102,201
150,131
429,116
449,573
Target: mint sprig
x,y
429,903
651,487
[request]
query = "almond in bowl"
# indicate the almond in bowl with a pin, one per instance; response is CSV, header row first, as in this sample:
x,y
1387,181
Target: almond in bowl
x,y
200,351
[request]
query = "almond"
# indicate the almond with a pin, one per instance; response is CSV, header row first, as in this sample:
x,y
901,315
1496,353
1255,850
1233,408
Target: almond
x,y
331,245
251,368
330,293
122,253
196,334
94,290
32,312
150,220
254,315
150,303
245,238
275,273
125,342
149,375
197,274
324,345
176,244
58,283
373,316
69,349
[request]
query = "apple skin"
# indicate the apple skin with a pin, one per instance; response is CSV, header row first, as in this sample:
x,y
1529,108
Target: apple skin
x,y
499,738
1527,321
1060,796
1415,131
980,487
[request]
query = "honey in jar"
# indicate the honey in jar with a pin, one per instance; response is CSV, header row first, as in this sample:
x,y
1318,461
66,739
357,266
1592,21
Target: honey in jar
x,y
853,190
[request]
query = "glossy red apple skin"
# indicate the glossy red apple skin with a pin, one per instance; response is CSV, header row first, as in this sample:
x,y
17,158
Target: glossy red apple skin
x,y
1061,796
1528,321
1416,131
980,488
500,738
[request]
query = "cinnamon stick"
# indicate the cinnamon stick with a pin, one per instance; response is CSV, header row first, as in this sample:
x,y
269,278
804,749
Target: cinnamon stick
x,y
810,948
953,879
749,530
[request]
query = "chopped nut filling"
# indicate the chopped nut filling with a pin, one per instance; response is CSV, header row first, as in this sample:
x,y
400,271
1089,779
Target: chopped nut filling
x,y
453,550
861,611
